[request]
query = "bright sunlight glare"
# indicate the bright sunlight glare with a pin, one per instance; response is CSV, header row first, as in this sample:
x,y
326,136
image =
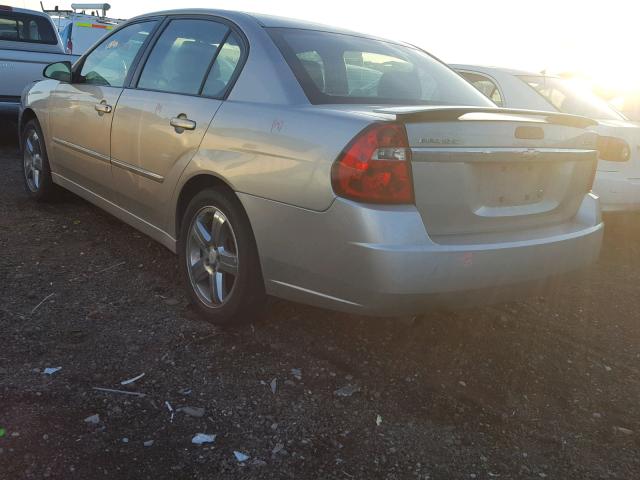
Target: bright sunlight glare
x,y
594,40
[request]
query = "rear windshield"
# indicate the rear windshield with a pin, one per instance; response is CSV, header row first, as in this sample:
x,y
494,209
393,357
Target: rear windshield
x,y
570,97
20,27
339,68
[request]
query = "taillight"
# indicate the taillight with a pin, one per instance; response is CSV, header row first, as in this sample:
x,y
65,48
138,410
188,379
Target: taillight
x,y
376,166
69,46
613,149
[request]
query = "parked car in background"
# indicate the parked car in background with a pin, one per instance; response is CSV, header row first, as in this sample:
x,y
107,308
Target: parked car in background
x,y
83,31
323,166
618,179
631,107
28,43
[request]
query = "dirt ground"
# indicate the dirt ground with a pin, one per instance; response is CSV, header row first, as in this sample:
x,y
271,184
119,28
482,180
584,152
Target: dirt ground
x,y
547,388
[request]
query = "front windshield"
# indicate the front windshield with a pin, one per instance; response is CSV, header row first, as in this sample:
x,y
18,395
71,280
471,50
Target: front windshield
x,y
339,68
569,96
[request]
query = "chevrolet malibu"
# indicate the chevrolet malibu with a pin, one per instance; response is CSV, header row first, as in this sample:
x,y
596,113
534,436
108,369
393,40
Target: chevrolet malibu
x,y
317,165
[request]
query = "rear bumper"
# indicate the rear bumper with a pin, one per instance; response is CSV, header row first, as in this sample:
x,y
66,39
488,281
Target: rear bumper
x,y
617,192
381,261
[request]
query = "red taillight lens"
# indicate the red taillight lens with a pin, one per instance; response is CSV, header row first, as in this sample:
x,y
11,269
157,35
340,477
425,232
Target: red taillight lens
x,y
69,46
376,166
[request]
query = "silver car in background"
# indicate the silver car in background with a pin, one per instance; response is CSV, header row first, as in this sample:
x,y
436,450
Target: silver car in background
x,y
317,165
616,181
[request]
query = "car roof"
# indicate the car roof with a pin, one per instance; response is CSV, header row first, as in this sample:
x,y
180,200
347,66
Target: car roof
x,y
268,21
6,8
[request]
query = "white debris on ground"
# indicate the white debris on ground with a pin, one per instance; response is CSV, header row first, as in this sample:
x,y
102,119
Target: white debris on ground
x,y
241,457
170,408
132,380
200,438
93,419
51,370
274,385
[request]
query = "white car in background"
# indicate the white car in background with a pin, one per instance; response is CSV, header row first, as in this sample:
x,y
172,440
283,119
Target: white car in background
x,y
617,180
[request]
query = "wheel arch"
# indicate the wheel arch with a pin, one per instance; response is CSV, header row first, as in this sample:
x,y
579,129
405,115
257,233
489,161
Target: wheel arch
x,y
27,115
192,187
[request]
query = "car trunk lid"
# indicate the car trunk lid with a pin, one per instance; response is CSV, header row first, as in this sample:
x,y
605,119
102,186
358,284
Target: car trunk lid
x,y
485,170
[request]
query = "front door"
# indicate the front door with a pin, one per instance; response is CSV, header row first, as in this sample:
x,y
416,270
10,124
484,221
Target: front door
x,y
159,124
81,112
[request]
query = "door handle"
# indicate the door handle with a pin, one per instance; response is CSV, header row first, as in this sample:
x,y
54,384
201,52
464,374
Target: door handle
x,y
182,123
102,107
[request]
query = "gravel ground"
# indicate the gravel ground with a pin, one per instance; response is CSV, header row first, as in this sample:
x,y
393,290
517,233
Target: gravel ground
x,y
547,388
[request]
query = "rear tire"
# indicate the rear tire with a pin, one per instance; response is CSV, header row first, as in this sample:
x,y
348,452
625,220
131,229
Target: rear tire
x,y
218,259
35,164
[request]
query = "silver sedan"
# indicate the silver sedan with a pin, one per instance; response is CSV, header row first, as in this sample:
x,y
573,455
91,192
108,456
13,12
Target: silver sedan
x,y
322,166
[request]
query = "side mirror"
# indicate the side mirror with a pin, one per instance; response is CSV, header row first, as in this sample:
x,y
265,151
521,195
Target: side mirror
x,y
58,71
613,149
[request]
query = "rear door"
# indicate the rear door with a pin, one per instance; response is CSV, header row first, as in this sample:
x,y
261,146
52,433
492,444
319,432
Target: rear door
x,y
81,112
159,124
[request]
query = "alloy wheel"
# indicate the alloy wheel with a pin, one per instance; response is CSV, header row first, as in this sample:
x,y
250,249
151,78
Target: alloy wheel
x,y
212,256
33,163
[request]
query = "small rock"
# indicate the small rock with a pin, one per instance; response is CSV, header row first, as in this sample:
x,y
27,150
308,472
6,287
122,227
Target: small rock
x,y
607,368
51,370
256,462
378,420
93,419
297,373
241,457
277,449
172,301
462,384
148,443
125,440
597,415
197,412
274,385
347,390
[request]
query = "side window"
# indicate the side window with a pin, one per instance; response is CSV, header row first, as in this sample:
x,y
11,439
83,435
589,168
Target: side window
x,y
224,67
182,55
312,62
109,63
19,27
486,86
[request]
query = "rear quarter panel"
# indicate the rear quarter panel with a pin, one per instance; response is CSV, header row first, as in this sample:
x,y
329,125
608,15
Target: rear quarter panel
x,y
280,153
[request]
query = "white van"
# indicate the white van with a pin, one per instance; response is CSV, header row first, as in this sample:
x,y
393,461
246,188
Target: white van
x,y
82,31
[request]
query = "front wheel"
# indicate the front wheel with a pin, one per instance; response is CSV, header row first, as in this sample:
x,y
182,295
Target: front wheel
x,y
219,259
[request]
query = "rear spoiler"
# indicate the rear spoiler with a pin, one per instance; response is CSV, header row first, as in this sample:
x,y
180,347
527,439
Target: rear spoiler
x,y
451,114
